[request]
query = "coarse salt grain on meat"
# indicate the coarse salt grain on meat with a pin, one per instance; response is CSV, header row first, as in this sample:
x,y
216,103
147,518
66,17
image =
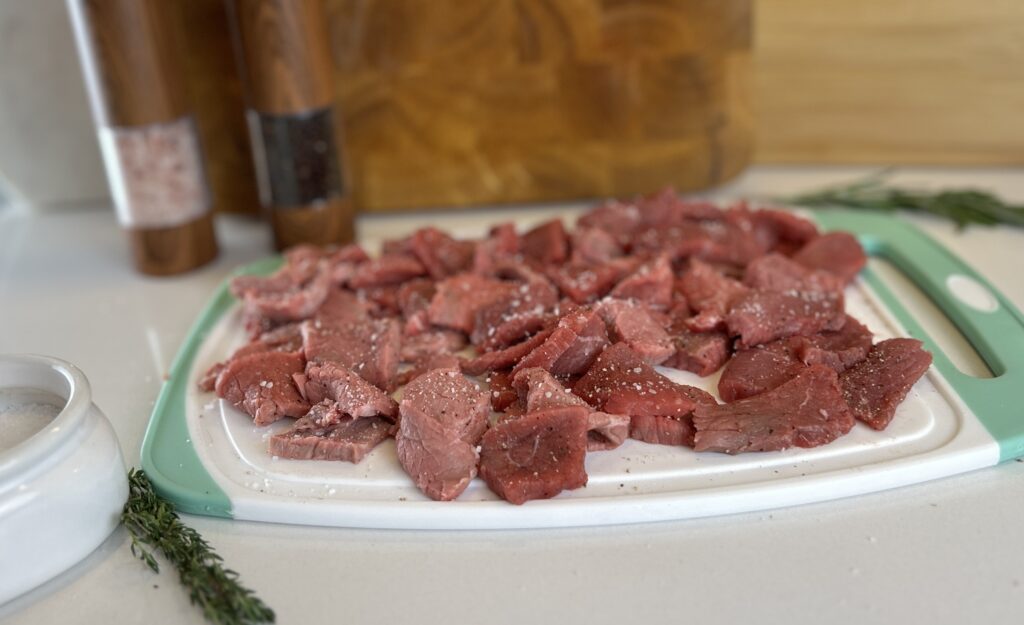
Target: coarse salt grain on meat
x,y
876,386
710,294
352,394
571,348
631,322
369,347
763,316
459,298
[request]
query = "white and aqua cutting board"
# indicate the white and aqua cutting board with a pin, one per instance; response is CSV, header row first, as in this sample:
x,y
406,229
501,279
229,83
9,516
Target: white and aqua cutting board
x,y
208,458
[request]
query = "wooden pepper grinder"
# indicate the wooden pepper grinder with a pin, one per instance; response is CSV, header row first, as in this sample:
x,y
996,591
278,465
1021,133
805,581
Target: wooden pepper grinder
x,y
285,60
146,132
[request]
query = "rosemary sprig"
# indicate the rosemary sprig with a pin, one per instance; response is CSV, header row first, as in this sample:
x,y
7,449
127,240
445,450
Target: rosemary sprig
x,y
963,206
154,525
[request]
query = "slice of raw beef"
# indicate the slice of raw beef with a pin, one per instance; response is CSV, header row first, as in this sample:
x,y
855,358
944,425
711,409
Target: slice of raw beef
x,y
369,347
710,294
576,341
702,353
458,300
837,252
632,323
651,284
621,382
537,455
262,385
758,369
874,387
347,439
807,411
443,416
764,316
353,395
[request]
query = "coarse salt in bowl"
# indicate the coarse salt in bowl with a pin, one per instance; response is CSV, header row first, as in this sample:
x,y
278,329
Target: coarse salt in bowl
x,y
62,477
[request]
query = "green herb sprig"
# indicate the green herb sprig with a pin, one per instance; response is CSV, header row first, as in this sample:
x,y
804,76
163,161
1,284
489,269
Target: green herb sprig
x,y
963,206
154,525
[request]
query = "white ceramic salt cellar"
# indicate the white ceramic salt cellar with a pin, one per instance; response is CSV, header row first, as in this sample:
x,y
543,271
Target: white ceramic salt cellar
x,y
62,487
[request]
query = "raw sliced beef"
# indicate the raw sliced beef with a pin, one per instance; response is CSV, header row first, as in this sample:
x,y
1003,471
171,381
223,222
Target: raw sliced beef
x,y
676,430
537,455
710,294
388,269
775,272
631,323
443,416
527,310
340,307
877,385
460,298
547,243
505,358
262,385
651,284
576,341
286,338
807,411
502,243
764,316
585,283
791,231
621,382
370,348
837,252
840,349
503,394
702,353
665,207
593,246
758,369
353,395
285,295
620,219
428,363
442,255
348,440
431,343
539,390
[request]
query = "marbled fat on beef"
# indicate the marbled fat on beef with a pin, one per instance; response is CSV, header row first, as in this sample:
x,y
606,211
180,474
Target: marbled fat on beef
x,y
806,411
443,416
537,455
875,387
262,385
346,439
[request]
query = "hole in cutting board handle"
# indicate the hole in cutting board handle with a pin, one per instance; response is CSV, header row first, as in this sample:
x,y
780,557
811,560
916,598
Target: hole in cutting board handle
x,y
932,319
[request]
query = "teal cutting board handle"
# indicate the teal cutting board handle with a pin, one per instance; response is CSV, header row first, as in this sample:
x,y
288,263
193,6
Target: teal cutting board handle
x,y
989,322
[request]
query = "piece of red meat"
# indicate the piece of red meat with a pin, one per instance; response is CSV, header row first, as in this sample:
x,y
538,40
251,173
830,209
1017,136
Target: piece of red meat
x,y
633,324
505,358
501,243
539,390
584,283
546,243
262,385
385,270
368,347
837,252
874,387
593,246
527,310
791,231
292,293
537,455
571,348
651,284
431,343
353,395
664,207
621,382
702,353
286,338
339,307
347,440
443,416
343,262
380,302
807,411
458,300
764,316
840,349
710,294
426,363
758,369
620,219
441,254
503,394
775,272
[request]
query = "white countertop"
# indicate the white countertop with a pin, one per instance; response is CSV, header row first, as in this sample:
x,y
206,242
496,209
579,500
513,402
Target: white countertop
x,y
948,551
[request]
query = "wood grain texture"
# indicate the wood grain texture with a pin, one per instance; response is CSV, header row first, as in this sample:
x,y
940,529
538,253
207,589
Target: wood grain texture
x,y
882,81
215,92
135,52
287,61
459,103
330,222
173,250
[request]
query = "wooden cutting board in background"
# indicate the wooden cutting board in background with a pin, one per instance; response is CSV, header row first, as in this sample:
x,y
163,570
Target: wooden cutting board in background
x,y
551,99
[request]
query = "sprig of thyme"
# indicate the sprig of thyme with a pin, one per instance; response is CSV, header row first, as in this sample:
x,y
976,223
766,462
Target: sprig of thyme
x,y
963,206
154,525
